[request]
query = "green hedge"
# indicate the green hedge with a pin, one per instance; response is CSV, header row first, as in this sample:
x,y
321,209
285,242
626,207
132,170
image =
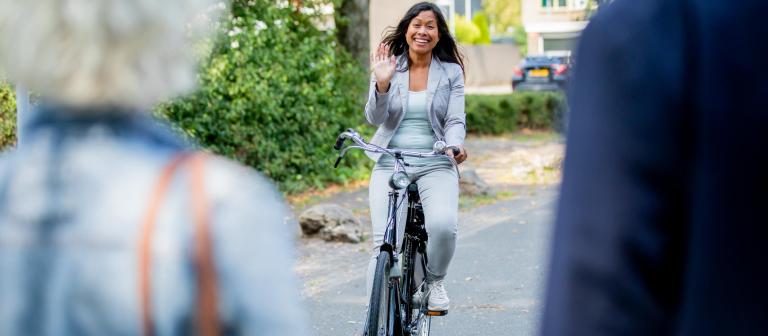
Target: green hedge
x,y
497,114
7,116
274,94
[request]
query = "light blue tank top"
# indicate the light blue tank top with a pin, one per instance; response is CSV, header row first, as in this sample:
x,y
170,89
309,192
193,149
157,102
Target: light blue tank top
x,y
414,133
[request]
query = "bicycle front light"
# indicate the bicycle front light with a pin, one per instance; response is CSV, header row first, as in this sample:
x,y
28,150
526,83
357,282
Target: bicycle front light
x,y
399,180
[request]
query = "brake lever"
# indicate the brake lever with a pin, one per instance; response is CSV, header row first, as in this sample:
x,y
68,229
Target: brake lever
x,y
338,160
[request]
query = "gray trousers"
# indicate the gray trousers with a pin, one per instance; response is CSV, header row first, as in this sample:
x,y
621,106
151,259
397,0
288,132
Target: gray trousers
x,y
439,192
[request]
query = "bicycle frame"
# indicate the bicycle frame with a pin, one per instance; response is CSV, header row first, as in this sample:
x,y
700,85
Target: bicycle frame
x,y
397,324
414,243
400,286
402,283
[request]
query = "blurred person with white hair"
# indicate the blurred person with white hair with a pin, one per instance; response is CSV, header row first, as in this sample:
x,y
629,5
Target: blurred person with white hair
x,y
109,223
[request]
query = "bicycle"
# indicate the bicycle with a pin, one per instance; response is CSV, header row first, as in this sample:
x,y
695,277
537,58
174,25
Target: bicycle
x,y
391,309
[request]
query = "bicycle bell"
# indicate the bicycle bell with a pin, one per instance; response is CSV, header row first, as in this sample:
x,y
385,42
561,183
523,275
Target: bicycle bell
x,y
439,146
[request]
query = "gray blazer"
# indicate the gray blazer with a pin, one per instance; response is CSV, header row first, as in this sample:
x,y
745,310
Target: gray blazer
x,y
445,102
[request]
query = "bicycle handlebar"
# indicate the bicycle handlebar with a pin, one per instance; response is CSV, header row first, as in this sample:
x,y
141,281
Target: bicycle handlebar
x,y
398,154
339,142
455,150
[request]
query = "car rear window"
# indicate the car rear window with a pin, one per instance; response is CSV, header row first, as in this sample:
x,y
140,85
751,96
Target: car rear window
x,y
546,60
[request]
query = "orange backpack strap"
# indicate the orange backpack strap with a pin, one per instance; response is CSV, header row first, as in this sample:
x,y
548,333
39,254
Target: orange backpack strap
x,y
207,295
207,298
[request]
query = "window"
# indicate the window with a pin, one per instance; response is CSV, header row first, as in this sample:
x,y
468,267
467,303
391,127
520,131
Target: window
x,y
551,3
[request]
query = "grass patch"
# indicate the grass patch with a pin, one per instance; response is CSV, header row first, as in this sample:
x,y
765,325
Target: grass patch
x,y
467,202
527,135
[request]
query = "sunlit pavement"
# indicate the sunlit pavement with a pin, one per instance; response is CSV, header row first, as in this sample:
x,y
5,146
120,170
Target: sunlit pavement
x,y
497,275
494,283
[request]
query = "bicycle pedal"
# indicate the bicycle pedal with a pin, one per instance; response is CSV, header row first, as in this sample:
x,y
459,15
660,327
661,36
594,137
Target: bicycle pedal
x,y
437,312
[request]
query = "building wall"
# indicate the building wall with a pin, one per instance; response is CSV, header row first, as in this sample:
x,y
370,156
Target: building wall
x,y
534,42
534,12
555,27
475,6
490,64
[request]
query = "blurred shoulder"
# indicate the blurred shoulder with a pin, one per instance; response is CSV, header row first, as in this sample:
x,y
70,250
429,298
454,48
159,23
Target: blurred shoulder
x,y
5,158
228,177
242,189
622,21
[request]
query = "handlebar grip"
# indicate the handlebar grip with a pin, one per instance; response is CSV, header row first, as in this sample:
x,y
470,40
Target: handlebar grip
x,y
339,142
455,151
338,160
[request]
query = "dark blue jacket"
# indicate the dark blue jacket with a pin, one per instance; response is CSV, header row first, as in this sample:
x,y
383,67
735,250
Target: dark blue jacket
x,y
662,228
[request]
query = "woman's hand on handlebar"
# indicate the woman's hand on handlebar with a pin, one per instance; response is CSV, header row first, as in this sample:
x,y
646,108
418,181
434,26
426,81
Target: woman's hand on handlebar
x,y
459,158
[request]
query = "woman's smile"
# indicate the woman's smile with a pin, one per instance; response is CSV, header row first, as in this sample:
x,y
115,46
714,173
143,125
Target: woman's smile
x,y
421,41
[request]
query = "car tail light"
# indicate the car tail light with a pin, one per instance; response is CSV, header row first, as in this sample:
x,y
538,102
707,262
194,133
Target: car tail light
x,y
559,68
518,72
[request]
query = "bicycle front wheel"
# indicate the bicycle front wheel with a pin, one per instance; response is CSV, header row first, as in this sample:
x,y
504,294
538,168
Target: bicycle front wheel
x,y
378,307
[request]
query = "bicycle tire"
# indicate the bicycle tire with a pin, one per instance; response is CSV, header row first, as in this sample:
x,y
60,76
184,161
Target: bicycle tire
x,y
407,289
422,329
421,322
378,306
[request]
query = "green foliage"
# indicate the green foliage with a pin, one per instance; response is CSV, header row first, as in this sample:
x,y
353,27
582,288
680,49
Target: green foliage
x,y
466,31
521,38
473,32
481,22
7,116
503,15
274,94
498,114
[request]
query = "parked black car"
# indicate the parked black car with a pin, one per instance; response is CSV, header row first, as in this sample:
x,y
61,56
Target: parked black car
x,y
542,73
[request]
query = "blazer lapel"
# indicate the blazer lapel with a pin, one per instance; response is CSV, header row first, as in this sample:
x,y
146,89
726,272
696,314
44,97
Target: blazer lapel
x,y
404,83
435,75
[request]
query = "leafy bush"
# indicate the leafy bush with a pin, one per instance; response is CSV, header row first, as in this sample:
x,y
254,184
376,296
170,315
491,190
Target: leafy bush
x,y
480,20
466,31
7,116
274,94
497,114
476,31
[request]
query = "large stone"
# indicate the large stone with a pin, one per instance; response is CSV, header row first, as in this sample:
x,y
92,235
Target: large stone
x,y
331,222
471,184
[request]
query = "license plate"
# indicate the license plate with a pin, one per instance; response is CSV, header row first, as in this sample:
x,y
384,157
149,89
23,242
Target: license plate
x,y
538,73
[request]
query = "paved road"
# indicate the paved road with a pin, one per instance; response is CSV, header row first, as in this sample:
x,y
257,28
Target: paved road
x,y
495,282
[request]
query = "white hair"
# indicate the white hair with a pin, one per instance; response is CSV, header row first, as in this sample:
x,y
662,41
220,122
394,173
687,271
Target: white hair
x,y
104,52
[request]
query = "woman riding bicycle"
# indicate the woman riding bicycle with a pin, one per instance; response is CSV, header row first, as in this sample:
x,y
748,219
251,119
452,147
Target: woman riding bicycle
x,y
416,98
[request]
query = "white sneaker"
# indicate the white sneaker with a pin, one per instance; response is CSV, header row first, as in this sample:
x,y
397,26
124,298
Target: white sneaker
x,y
438,297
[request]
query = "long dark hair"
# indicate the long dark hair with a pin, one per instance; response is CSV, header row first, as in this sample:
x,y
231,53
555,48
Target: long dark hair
x,y
446,49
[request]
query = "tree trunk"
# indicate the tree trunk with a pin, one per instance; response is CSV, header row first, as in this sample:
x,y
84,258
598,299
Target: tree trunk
x,y
352,28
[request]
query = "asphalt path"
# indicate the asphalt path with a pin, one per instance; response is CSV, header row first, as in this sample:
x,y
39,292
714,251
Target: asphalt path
x,y
495,281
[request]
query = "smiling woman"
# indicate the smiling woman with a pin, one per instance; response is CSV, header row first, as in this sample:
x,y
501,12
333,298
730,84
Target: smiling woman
x,y
417,98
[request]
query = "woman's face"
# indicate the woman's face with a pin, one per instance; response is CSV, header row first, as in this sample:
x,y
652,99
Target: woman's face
x,y
422,34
